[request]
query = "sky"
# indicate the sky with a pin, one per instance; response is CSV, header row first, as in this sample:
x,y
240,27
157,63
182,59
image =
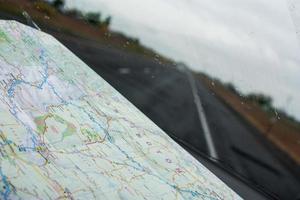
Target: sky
x,y
251,43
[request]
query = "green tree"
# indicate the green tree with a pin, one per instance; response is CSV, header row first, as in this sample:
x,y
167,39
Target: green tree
x,y
262,100
58,4
93,18
107,21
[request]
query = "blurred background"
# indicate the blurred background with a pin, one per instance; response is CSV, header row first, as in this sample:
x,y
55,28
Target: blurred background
x,y
221,77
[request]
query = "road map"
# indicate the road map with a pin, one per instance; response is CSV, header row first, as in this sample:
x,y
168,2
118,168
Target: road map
x,y
65,133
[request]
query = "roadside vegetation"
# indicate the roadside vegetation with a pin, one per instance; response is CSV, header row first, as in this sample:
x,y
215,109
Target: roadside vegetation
x,y
263,101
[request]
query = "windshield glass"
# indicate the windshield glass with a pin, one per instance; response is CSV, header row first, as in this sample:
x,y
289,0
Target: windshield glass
x,y
222,78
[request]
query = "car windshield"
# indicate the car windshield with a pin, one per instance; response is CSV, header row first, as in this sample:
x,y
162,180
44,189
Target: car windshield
x,y
221,78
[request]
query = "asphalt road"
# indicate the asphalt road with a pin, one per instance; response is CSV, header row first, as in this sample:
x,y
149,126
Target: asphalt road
x,y
165,94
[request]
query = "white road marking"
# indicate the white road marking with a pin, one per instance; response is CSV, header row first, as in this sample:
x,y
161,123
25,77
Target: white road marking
x,y
207,134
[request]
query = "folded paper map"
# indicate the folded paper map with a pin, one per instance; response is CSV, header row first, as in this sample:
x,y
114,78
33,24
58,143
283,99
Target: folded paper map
x,y
65,133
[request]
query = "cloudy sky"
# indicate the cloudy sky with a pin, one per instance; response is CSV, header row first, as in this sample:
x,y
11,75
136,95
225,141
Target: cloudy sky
x,y
252,43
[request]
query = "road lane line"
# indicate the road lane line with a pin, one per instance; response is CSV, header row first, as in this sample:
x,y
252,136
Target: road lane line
x,y
207,134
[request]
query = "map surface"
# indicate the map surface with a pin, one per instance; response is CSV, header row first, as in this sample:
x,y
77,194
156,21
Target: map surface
x,y
65,133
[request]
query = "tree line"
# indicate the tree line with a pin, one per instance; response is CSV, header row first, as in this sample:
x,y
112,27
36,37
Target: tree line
x,y
93,18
